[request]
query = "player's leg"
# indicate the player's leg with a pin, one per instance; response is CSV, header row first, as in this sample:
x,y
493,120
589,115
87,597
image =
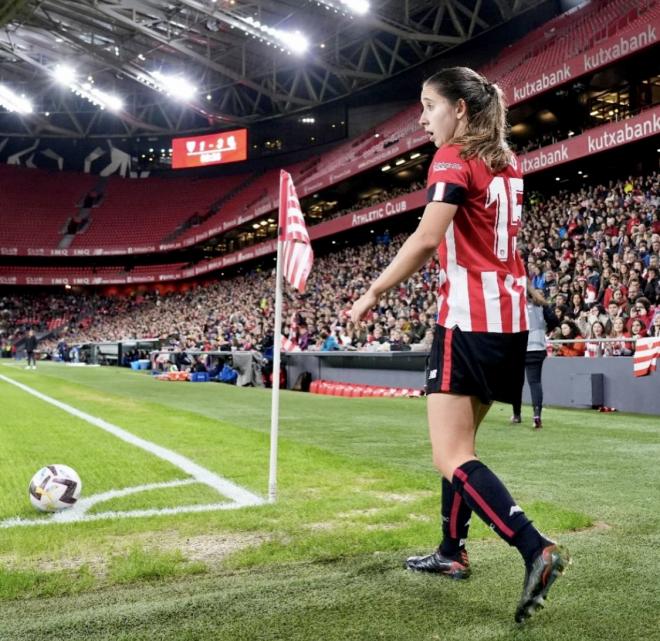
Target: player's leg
x,y
451,558
488,497
534,370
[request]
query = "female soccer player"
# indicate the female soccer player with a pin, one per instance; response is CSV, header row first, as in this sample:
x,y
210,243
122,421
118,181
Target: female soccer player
x,y
472,217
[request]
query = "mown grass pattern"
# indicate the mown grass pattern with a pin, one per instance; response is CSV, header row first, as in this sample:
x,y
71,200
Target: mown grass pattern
x,y
357,494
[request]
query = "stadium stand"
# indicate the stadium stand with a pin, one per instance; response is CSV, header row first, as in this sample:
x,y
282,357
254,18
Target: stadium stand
x,y
151,214
31,217
158,206
583,249
564,37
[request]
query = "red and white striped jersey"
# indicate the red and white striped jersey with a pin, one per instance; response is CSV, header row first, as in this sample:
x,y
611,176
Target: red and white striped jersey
x,y
482,279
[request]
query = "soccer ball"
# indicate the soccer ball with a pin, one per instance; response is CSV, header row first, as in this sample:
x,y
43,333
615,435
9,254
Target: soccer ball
x,y
54,488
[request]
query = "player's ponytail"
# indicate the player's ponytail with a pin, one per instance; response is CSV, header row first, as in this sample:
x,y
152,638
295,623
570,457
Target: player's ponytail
x,y
485,135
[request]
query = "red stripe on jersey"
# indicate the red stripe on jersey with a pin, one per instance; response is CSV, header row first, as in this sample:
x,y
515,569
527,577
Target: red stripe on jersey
x,y
446,361
477,303
506,306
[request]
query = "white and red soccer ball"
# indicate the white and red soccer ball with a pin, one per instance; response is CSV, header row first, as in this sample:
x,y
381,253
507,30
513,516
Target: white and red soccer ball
x,y
55,488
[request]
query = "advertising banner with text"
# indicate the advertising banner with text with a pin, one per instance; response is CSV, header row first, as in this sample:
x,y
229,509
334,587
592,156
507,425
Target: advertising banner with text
x,y
631,40
595,140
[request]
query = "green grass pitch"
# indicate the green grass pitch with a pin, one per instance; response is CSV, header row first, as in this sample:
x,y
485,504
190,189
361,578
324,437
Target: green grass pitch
x,y
357,494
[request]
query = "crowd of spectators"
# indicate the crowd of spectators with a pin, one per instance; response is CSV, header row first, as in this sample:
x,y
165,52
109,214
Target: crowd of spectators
x,y
594,253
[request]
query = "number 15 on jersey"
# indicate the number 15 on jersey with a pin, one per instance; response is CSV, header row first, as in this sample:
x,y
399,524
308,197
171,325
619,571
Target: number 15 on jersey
x,y
506,194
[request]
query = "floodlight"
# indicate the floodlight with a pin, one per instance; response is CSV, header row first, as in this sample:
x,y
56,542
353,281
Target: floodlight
x,y
11,101
356,6
65,74
359,7
175,86
294,41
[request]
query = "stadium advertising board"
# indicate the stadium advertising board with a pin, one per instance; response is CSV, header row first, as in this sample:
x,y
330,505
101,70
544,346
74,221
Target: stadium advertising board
x,y
593,141
627,42
212,149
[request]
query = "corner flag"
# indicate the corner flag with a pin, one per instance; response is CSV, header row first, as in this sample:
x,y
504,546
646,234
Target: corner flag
x,y
294,259
298,255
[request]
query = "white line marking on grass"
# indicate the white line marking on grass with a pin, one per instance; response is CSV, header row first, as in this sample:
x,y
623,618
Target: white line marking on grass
x,y
83,506
78,512
101,516
236,493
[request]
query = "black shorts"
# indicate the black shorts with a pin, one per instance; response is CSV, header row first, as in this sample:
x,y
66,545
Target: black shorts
x,y
488,365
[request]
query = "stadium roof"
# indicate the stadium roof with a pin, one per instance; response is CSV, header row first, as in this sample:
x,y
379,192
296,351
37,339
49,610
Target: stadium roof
x,y
246,59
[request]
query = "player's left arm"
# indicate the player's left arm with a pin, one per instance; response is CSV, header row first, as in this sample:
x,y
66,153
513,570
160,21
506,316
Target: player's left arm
x,y
412,256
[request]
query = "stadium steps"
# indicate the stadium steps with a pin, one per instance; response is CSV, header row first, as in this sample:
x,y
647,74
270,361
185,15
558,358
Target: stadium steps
x,y
213,210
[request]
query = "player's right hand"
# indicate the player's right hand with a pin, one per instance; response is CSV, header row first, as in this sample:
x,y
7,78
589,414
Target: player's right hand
x,y
362,305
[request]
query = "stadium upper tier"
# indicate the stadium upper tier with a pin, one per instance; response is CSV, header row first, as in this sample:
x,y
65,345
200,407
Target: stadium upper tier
x,y
36,204
157,214
549,47
139,212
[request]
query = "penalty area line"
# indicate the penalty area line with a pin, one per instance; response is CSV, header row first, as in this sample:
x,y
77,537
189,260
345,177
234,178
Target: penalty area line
x,y
236,493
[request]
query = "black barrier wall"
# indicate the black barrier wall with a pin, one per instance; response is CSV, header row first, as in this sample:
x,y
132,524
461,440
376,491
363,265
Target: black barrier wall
x,y
567,382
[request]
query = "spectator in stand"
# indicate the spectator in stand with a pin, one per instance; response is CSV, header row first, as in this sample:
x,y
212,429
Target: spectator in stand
x,y
538,279
621,346
655,325
597,313
577,307
619,298
641,309
569,331
594,347
613,311
397,342
560,314
637,330
303,336
583,322
330,343
652,285
633,291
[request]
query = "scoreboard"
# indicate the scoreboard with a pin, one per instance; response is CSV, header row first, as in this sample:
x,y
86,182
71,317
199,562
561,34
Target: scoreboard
x,y
212,149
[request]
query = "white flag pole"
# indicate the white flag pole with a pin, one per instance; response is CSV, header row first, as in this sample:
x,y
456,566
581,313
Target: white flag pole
x,y
277,346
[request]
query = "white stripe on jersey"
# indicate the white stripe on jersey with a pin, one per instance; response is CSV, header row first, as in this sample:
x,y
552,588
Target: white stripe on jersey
x,y
439,192
458,301
491,293
509,281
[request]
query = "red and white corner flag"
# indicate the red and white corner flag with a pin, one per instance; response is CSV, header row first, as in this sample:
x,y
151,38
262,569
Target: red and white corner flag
x,y
294,261
298,254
